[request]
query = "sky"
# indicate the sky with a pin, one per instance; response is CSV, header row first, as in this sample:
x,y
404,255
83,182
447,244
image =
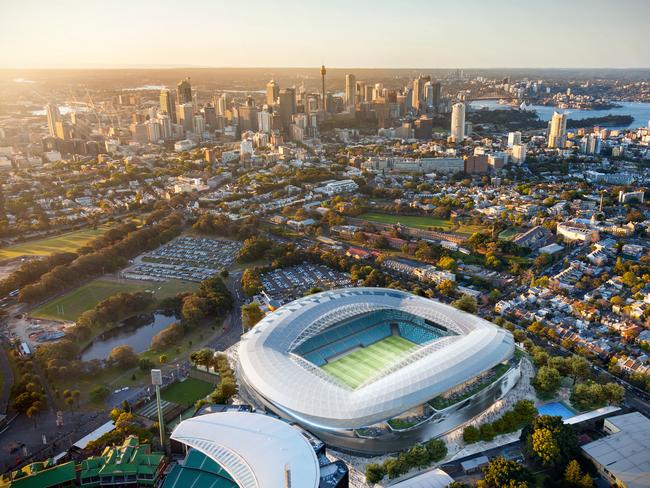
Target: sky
x,y
338,33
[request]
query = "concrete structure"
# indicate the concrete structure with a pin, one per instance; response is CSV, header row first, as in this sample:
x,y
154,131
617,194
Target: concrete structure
x,y
573,233
622,457
337,187
458,122
461,350
350,91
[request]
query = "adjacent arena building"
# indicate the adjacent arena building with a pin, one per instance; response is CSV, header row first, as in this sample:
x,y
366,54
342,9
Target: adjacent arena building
x,y
374,370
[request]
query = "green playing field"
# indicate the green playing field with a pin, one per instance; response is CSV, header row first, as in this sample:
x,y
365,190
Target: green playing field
x,y
364,363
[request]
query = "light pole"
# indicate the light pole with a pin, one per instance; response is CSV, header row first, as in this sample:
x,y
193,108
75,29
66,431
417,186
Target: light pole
x,y
156,380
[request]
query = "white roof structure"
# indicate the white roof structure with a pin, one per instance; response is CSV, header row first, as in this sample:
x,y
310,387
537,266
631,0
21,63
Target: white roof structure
x,y
256,450
311,396
434,478
624,453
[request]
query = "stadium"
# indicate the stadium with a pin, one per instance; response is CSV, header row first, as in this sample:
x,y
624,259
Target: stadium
x,y
374,370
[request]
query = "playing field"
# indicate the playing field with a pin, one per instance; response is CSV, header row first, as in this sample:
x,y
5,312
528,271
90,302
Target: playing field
x,y
420,222
364,363
73,304
187,392
68,242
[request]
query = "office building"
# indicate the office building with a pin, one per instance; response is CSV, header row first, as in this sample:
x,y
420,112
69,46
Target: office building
x,y
248,118
264,121
168,104
154,131
272,92
166,130
350,91
198,124
418,95
184,113
557,131
53,115
184,91
458,122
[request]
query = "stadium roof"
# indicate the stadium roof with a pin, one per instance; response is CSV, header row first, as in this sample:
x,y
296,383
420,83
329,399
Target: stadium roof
x,y
310,395
254,449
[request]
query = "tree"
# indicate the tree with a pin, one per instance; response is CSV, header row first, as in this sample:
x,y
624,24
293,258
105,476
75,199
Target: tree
x,y
548,441
418,456
393,468
99,394
579,367
203,357
251,314
613,393
471,434
374,473
466,303
163,359
501,472
446,287
437,449
574,477
70,403
32,413
123,356
145,364
547,380
446,262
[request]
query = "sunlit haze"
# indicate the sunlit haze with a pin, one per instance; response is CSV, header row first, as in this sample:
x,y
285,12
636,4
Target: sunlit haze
x,y
340,33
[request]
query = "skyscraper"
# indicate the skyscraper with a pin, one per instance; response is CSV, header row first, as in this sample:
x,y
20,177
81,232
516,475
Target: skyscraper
x,y
432,94
184,91
350,91
418,91
458,121
185,111
53,115
168,104
272,92
557,132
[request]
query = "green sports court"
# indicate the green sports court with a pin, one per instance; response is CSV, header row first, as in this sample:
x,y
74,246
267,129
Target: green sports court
x,y
363,363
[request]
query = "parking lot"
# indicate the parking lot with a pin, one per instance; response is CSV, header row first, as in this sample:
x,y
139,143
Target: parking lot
x,y
286,283
185,258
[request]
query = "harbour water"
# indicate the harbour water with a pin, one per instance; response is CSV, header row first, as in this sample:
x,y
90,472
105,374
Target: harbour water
x,y
640,111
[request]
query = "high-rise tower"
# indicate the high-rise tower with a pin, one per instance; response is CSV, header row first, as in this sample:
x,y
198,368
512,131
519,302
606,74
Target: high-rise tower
x,y
272,92
168,104
53,116
557,132
323,71
350,91
458,122
184,91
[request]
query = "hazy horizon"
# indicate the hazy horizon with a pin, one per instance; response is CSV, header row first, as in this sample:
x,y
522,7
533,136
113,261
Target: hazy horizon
x,y
501,34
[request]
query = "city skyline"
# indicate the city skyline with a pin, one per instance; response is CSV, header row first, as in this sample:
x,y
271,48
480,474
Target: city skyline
x,y
370,35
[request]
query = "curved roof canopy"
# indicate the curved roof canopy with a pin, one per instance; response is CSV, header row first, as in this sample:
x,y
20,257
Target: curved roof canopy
x,y
256,450
311,396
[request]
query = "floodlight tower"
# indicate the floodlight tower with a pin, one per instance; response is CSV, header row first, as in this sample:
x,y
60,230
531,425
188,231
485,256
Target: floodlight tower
x,y
156,380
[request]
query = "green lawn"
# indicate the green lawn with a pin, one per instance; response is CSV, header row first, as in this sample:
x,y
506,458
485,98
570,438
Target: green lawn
x,y
509,233
187,392
68,242
420,222
73,304
362,364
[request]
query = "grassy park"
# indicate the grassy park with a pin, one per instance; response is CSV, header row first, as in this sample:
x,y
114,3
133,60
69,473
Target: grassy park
x,y
68,242
421,222
74,303
187,392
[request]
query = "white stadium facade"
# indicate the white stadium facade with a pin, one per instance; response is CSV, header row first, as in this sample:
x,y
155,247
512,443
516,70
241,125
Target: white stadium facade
x,y
374,370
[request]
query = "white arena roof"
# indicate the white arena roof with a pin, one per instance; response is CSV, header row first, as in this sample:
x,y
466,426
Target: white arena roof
x,y
254,449
310,395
